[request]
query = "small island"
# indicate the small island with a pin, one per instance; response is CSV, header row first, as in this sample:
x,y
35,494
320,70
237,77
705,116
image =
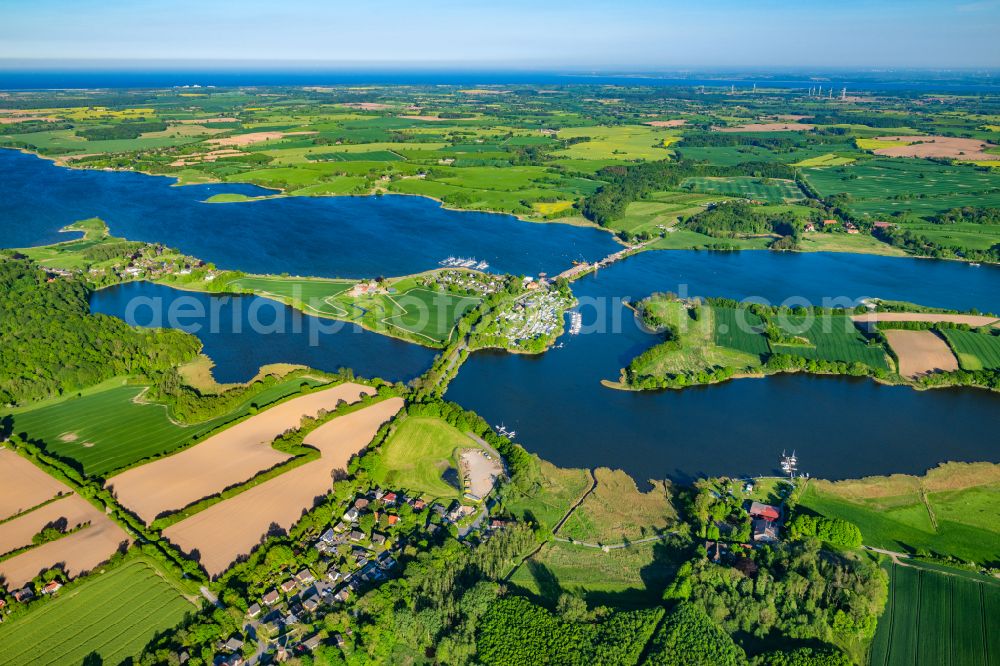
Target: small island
x,y
716,339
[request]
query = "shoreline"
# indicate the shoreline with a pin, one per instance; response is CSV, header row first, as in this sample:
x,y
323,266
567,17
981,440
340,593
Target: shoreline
x,y
281,194
884,381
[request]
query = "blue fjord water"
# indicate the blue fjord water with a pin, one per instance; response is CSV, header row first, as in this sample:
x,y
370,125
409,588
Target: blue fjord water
x,y
840,427
321,236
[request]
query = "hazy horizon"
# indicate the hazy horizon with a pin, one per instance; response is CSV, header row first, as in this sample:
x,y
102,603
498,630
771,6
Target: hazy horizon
x,y
637,35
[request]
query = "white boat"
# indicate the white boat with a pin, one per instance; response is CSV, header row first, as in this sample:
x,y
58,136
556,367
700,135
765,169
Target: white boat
x,y
482,265
575,323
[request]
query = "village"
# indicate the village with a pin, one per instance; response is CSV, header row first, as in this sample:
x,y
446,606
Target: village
x,y
350,556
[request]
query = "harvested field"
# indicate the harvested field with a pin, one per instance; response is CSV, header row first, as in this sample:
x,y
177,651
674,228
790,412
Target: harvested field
x,y
921,352
971,320
253,137
23,485
368,106
677,122
231,457
432,119
232,528
768,127
73,509
77,553
949,147
202,121
26,119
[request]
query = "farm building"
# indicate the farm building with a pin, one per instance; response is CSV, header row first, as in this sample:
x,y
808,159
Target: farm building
x,y
765,511
764,531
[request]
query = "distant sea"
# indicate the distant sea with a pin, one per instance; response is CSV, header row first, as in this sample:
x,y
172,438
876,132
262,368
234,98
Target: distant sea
x,y
945,82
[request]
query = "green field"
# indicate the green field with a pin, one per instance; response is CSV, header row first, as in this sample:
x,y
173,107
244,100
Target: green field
x,y
369,156
418,454
972,236
108,429
951,512
833,338
623,577
428,315
975,351
740,330
660,209
886,186
770,190
112,615
699,350
822,154
622,142
934,618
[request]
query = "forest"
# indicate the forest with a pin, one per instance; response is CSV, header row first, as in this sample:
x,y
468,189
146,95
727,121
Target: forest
x,y
51,345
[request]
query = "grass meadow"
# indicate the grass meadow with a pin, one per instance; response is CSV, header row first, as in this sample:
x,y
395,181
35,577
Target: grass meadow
x,y
617,511
429,316
952,511
557,489
417,455
623,577
112,615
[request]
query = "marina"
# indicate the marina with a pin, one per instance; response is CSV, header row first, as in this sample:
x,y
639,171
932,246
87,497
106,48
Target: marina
x,y
461,262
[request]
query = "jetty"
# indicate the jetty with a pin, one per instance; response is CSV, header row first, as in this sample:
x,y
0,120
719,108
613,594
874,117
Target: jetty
x,y
581,268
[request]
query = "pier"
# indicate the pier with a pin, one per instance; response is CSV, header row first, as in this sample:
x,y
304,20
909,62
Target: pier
x,y
581,269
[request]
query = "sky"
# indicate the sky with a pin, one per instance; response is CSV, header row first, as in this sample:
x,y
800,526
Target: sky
x,y
638,35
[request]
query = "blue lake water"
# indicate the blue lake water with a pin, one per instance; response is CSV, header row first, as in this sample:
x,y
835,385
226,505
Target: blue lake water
x,y
841,427
321,236
242,333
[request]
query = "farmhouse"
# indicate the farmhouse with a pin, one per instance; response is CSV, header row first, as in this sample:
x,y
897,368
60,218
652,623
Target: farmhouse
x,y
764,511
764,531
51,587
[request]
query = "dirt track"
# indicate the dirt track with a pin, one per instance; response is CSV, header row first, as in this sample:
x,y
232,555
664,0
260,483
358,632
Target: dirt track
x,y
22,485
230,457
231,528
921,352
